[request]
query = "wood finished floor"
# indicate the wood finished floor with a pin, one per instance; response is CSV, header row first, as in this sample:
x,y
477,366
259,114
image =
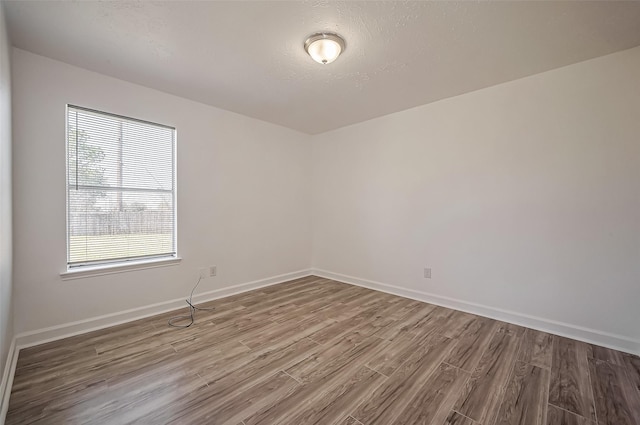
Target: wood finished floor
x,y
315,351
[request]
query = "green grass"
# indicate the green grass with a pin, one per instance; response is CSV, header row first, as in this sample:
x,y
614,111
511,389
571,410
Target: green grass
x,y
92,248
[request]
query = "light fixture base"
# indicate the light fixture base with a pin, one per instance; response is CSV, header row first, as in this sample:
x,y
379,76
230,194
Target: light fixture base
x,y
324,47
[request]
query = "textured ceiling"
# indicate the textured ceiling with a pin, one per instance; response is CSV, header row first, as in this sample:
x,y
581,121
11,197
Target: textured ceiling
x,y
247,57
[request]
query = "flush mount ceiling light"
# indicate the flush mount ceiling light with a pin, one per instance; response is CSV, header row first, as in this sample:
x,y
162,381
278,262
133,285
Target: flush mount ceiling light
x,y
324,47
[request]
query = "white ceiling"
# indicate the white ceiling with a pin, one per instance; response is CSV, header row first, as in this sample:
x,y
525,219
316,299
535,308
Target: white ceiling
x,y
248,57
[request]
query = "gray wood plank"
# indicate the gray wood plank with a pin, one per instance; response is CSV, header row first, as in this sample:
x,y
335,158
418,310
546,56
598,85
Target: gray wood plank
x,y
456,418
483,393
471,344
616,399
557,416
390,399
433,403
332,404
526,396
393,356
242,404
632,364
458,323
570,384
306,366
537,348
322,380
607,355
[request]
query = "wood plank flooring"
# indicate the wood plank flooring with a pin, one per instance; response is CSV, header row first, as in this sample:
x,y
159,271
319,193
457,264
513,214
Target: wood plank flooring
x,y
316,351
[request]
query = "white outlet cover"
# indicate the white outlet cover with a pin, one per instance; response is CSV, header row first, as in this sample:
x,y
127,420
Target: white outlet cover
x,y
427,273
213,270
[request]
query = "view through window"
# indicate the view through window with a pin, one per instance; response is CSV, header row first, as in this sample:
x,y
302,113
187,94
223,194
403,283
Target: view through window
x,y
120,188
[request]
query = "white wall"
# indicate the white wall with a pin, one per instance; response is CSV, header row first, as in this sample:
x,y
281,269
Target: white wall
x,y
243,195
6,311
523,196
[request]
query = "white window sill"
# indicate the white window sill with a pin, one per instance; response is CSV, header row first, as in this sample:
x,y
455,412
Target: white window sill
x,y
90,271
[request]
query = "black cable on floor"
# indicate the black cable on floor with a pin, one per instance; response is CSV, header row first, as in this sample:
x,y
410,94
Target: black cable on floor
x,y
192,310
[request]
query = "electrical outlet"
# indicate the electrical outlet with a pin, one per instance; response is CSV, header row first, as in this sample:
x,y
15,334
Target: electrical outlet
x,y
427,272
203,272
213,270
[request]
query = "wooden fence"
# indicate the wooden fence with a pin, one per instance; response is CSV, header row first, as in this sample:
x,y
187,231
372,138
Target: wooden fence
x,y
121,222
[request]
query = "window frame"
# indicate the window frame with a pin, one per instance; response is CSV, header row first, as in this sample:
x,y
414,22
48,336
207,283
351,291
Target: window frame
x,y
108,266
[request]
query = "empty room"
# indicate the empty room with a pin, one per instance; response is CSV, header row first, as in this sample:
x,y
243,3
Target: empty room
x,y
320,212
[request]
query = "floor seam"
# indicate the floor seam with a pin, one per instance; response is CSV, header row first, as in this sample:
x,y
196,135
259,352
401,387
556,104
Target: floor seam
x,y
464,416
357,421
457,367
593,396
313,340
202,379
573,413
291,376
376,371
245,345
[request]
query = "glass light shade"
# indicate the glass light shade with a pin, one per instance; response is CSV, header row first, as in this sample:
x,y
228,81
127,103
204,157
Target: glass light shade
x,y
324,48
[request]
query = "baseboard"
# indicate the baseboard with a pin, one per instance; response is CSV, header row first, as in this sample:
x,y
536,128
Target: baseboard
x,y
7,379
40,336
592,336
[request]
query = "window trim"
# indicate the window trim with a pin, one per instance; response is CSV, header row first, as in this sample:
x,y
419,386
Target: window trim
x,y
102,267
79,272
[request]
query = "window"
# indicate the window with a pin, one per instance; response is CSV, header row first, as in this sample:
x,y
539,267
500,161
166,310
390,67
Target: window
x,y
120,189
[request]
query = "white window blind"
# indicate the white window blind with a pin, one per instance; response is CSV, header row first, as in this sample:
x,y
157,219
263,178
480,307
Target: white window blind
x,y
120,189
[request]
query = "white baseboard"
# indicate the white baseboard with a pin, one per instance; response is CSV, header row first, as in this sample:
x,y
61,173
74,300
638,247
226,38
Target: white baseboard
x,y
7,379
40,336
609,340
